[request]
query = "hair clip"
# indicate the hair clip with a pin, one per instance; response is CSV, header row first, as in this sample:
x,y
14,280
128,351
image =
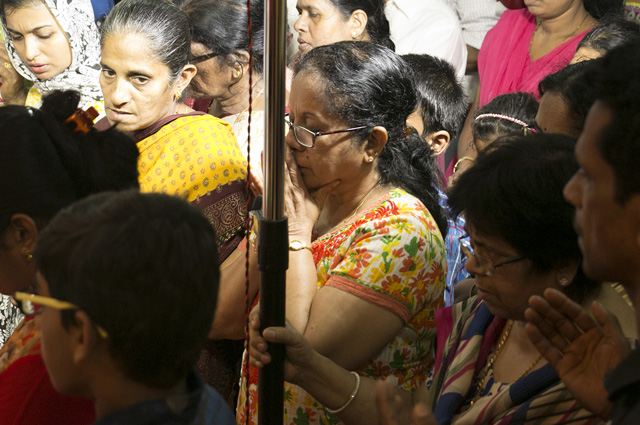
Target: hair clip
x,y
408,131
508,118
82,119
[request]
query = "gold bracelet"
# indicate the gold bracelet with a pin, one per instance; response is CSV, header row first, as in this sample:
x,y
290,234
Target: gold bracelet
x,y
464,158
351,397
297,245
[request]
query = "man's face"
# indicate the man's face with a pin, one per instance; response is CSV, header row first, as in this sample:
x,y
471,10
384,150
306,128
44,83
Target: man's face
x,y
608,233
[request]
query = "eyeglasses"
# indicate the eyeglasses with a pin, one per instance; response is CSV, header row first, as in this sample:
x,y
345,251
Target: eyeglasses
x,y
307,138
28,304
203,58
485,264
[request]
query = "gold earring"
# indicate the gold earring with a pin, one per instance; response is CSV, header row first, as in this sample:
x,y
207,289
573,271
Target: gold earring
x,y
238,74
27,253
178,94
370,159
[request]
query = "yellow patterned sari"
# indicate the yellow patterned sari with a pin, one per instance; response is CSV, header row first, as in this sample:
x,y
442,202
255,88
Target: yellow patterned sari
x,y
196,157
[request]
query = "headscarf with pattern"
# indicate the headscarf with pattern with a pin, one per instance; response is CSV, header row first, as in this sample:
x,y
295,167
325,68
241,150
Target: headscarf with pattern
x,y
75,17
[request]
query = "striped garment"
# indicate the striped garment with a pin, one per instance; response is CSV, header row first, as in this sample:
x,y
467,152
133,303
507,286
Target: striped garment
x,y
467,332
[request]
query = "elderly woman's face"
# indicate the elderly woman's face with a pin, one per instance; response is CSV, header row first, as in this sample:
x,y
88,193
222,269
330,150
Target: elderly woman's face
x,y
506,292
38,39
212,81
334,156
134,84
319,23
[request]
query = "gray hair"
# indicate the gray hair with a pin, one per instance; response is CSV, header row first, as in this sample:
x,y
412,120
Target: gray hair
x,y
164,25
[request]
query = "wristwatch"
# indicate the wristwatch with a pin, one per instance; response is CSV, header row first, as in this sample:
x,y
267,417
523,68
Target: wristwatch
x,y
296,245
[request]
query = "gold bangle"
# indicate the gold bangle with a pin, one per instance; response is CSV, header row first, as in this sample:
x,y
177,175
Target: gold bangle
x,y
353,395
297,245
464,158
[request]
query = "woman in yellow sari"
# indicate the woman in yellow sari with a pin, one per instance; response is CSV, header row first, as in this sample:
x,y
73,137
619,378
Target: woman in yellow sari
x,y
145,69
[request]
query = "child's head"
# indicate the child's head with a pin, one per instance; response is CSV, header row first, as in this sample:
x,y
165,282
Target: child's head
x,y
565,99
612,31
142,268
507,114
441,102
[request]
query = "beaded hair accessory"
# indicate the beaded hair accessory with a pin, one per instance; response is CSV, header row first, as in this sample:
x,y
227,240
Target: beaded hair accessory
x,y
508,118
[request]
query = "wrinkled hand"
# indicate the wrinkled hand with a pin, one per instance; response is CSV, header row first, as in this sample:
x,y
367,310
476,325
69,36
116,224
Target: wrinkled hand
x,y
299,353
256,182
13,90
393,411
302,207
580,348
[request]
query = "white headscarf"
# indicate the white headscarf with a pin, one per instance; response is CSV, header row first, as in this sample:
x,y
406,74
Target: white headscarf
x,y
76,20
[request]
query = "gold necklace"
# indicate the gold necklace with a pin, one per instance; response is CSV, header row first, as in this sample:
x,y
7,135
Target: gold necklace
x,y
575,31
355,211
496,352
247,108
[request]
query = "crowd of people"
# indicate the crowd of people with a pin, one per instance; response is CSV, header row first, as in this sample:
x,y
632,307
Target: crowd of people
x,y
460,189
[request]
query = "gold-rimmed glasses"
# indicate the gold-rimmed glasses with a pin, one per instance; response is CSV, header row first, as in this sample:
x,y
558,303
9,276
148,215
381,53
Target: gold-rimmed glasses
x,y
307,138
484,263
27,303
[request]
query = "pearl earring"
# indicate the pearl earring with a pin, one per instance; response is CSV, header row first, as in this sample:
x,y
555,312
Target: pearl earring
x,y
563,281
354,34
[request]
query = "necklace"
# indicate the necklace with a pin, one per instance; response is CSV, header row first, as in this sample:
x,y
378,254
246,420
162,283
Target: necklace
x,y
355,211
496,352
247,108
575,31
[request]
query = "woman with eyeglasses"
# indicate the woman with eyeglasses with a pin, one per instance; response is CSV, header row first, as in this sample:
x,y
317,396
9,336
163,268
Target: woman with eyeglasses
x,y
44,167
220,52
367,260
486,369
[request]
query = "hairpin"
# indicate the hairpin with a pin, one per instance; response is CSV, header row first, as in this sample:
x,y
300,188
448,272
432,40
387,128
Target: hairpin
x,y
82,119
408,131
508,118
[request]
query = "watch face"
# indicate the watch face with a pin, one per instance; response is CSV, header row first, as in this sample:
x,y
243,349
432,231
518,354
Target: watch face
x,y
296,245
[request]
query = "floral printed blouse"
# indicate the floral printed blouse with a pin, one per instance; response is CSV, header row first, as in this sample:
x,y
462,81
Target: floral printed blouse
x,y
394,257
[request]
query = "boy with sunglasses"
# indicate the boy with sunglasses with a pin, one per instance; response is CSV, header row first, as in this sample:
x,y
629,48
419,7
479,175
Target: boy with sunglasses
x,y
127,288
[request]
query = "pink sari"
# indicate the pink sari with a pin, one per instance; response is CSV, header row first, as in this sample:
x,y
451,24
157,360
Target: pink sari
x,y
504,63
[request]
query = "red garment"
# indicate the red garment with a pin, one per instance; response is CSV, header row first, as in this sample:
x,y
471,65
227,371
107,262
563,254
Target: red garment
x,y
504,63
26,394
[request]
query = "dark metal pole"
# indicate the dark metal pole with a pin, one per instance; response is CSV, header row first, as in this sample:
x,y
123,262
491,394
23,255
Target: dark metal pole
x,y
273,241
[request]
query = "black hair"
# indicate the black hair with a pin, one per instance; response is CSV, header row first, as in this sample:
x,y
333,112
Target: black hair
x,y
46,165
441,98
616,82
521,106
611,31
377,24
221,25
143,267
601,8
164,25
11,5
514,192
366,84
571,85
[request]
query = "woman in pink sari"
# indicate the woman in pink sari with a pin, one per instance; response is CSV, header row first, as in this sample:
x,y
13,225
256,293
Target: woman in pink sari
x,y
525,46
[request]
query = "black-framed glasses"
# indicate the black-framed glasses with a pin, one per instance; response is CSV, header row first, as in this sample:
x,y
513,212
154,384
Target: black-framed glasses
x,y
202,58
28,305
484,263
307,138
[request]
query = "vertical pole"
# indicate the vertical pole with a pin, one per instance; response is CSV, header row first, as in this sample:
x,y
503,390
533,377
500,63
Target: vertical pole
x,y
273,241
